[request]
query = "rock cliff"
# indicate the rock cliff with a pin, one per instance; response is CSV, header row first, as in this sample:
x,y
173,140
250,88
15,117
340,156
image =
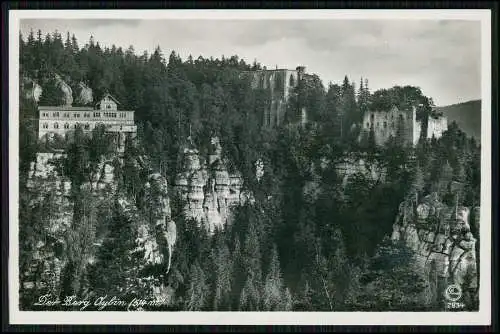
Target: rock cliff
x,y
443,243
155,230
207,190
85,95
66,89
31,89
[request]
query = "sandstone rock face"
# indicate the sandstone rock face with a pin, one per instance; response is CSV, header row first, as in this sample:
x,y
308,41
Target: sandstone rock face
x,y
85,94
31,89
444,246
66,89
352,165
208,190
156,231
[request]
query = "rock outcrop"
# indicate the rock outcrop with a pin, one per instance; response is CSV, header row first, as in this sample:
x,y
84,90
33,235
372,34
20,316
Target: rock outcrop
x,y
159,203
443,243
66,89
85,95
358,165
31,89
208,190
49,257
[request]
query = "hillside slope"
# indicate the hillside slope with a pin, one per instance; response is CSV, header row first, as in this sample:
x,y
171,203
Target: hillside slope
x,y
467,115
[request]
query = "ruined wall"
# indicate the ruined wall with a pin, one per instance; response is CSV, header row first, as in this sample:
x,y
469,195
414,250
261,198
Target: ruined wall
x,y
444,246
279,82
436,127
386,124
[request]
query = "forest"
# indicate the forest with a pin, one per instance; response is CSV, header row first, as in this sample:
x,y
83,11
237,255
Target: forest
x,y
286,251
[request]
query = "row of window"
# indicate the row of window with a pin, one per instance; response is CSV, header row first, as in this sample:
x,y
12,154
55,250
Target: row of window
x,y
378,124
401,117
67,126
87,115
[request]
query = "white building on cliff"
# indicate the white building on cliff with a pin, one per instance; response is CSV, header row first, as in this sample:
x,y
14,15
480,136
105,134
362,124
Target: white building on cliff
x,y
63,119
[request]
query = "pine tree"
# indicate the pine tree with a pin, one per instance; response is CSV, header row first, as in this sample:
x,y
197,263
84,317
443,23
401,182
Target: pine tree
x,y
198,291
250,299
392,281
275,294
223,275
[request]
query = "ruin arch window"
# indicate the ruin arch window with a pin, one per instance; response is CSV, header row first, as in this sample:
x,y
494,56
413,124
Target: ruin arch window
x,y
45,126
66,126
56,126
291,81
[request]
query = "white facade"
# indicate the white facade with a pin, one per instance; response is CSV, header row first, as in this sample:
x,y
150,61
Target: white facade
x,y
436,127
62,119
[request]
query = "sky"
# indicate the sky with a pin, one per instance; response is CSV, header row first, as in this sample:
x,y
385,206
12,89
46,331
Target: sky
x,y
442,57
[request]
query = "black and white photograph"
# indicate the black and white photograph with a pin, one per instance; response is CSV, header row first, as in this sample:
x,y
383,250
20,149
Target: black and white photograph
x,y
250,165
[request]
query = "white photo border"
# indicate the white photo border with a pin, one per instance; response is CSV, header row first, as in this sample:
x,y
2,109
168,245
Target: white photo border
x,y
480,318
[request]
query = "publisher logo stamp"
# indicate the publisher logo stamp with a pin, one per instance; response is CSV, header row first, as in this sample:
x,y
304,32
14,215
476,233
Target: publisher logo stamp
x,y
453,293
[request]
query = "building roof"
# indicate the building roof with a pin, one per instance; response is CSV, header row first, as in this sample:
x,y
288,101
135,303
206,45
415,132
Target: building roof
x,y
65,108
110,96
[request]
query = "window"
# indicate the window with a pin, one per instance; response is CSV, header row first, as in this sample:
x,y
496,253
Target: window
x,y
97,114
292,82
56,126
66,126
45,114
66,114
108,106
385,125
45,126
367,124
86,126
55,114
86,115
